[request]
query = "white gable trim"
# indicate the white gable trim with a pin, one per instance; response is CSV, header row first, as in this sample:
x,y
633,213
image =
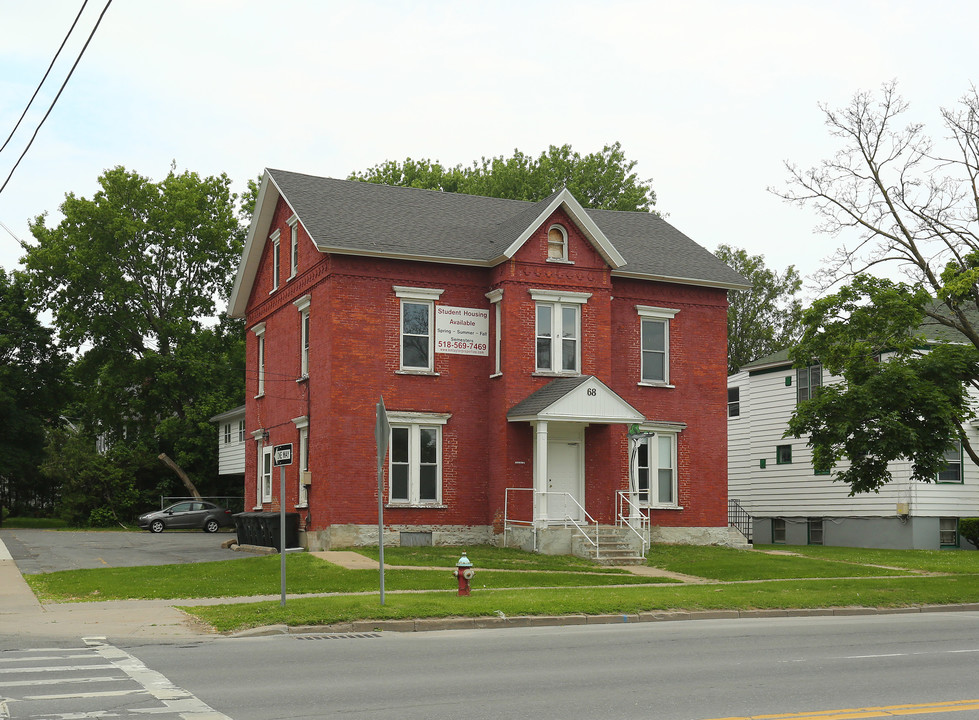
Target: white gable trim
x,y
580,218
590,402
251,256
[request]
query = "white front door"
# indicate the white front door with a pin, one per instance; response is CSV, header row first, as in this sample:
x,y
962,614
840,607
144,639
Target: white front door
x,y
564,481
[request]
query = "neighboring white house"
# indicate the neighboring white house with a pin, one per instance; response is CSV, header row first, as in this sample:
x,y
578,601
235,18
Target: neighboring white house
x,y
772,476
231,441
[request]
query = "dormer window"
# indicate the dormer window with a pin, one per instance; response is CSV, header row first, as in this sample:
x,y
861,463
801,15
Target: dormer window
x,y
557,244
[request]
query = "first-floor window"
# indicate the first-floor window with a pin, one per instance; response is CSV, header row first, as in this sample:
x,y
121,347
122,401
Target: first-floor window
x,y
303,465
656,470
265,474
783,454
948,532
415,465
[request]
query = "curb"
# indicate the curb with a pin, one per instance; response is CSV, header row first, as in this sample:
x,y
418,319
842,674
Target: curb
x,y
490,622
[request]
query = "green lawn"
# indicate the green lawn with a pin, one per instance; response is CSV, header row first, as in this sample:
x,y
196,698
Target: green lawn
x,y
304,574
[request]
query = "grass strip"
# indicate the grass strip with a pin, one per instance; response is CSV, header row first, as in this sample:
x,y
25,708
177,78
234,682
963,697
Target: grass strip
x,y
729,564
870,592
260,576
483,556
938,561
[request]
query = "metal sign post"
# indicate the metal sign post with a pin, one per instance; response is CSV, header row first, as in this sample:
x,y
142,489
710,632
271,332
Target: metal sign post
x,y
382,431
282,456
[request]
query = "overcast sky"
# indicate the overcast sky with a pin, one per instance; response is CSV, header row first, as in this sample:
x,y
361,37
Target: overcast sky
x,y
709,97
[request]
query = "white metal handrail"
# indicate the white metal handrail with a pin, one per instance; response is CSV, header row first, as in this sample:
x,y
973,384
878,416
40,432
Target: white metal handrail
x,y
628,520
507,520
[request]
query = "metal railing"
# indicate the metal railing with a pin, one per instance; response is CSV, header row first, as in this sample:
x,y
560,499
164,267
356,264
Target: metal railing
x,y
566,520
738,517
635,517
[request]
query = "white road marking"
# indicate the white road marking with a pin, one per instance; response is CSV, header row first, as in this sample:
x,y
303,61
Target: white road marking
x,y
175,699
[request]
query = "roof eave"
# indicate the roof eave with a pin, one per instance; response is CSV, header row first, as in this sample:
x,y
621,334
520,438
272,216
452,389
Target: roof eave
x,y
720,284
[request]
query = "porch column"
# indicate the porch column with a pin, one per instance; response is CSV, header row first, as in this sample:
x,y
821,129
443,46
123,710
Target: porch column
x,y
540,471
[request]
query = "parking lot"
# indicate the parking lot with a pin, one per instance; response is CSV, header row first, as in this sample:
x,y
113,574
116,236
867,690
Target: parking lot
x,y
41,551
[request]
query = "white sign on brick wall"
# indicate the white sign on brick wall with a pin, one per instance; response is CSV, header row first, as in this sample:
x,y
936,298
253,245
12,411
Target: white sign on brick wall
x,y
461,331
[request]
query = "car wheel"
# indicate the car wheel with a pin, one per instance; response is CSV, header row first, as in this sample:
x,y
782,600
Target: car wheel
x,y
211,526
156,526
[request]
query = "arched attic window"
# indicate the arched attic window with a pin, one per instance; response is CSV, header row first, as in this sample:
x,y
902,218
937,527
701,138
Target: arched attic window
x,y
557,243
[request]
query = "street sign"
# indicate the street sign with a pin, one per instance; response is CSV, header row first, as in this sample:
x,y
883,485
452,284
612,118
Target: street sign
x,y
282,455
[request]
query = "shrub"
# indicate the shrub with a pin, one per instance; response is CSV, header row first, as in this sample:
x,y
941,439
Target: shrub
x,y
969,529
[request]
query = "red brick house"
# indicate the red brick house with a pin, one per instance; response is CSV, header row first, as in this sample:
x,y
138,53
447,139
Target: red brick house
x,y
514,344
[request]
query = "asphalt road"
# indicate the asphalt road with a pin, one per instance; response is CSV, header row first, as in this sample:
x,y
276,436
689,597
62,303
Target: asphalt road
x,y
41,551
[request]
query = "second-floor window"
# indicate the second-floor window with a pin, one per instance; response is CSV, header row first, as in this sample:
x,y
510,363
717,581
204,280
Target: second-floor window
x,y
557,331
417,328
807,380
302,304
654,338
952,472
293,246
734,402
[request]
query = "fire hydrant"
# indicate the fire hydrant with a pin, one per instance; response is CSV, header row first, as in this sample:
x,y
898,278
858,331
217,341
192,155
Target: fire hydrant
x,y
464,572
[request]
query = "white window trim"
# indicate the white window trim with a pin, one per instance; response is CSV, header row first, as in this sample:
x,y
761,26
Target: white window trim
x,y
241,431
293,224
259,331
564,245
259,437
418,296
302,305
302,426
227,433
666,315
556,299
495,297
266,480
673,431
414,421
276,261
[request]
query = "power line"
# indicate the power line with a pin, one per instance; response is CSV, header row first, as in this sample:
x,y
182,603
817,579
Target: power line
x,y
53,102
48,72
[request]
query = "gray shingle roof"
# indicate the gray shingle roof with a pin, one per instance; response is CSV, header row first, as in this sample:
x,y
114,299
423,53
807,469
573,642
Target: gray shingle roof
x,y
358,217
540,400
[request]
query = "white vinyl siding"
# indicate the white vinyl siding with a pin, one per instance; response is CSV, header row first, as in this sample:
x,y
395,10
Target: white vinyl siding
x,y
766,402
231,446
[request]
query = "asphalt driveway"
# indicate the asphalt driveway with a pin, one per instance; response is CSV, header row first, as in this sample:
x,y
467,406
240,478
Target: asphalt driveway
x,y
41,551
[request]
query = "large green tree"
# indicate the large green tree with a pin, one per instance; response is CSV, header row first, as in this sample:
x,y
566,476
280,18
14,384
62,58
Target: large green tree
x,y
603,179
766,318
32,393
905,204
132,277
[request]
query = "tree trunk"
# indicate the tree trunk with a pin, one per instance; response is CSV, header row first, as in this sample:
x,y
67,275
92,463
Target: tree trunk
x,y
181,474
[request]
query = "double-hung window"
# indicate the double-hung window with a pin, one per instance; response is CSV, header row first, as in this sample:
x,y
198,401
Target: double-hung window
x,y
733,402
293,223
276,260
227,433
655,469
259,331
302,425
302,304
265,474
415,465
807,380
558,330
241,431
654,340
952,472
417,331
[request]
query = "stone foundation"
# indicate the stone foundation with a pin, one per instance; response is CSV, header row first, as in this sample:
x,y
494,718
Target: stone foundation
x,y
340,536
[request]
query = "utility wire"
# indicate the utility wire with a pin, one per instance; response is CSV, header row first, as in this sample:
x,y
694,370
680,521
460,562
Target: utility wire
x,y
53,61
70,72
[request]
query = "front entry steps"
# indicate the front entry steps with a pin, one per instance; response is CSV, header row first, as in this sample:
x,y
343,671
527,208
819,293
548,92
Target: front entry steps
x,y
616,545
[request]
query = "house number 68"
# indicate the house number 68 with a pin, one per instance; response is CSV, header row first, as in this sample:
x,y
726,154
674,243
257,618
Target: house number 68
x,y
592,392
